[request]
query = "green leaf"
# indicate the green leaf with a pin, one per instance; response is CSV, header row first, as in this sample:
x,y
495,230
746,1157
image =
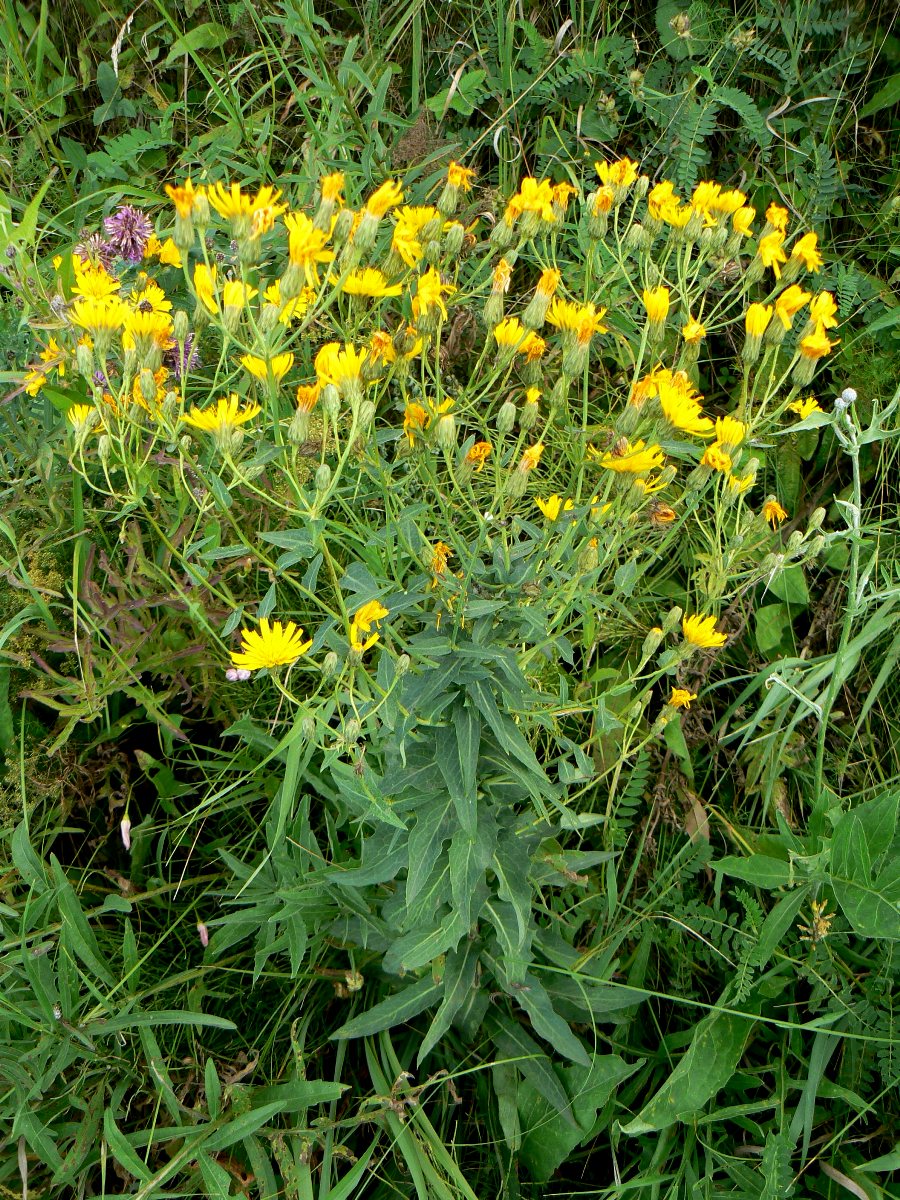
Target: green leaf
x,y
213,1088
208,36
122,1151
26,861
513,1042
216,1179
396,1009
464,798
707,1065
459,979
778,921
469,858
76,925
759,869
242,1126
865,867
548,1140
790,586
547,1022
886,97
771,624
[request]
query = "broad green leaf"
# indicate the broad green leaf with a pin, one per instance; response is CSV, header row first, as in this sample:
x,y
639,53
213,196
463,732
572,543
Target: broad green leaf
x,y
778,921
865,867
213,1088
459,979
421,946
547,1140
449,761
242,1126
396,1009
426,840
760,869
547,1022
26,861
514,1043
770,624
511,865
216,1180
469,858
122,1151
886,97
790,586
208,36
706,1066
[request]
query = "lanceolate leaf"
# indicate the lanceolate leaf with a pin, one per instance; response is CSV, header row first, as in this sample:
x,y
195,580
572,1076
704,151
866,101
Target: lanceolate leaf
x,y
396,1009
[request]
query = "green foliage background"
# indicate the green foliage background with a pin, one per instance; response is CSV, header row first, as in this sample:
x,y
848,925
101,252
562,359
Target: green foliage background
x,y
731,1050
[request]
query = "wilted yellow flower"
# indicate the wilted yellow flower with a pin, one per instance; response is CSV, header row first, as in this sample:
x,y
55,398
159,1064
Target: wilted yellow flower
x,y
261,368
78,415
531,456
628,458
548,282
716,458
681,698
415,420
370,282
806,250
693,331
273,645
332,186
460,177
604,198
440,556
562,193
702,632
226,414
478,454
789,303
553,506
740,484
816,345
777,217
308,395
773,512
501,276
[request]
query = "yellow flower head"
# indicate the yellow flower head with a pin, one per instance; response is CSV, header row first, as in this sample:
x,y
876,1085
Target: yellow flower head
x,y
757,319
99,316
94,282
716,458
236,294
531,456
604,198
562,194
681,698
381,348
307,396
728,202
777,217
773,512
656,302
501,276
387,196
370,282
619,174
702,632
260,368
631,459
147,329
771,251
806,250
510,334
730,431
693,332
184,197
272,645
226,414
789,303
205,286
415,420
460,177
430,293
293,310
370,614
553,506
742,221
339,365
806,407
332,187
816,345
823,310
681,408
232,203
306,246
440,556
659,197
740,484
534,196
548,282
478,454
78,415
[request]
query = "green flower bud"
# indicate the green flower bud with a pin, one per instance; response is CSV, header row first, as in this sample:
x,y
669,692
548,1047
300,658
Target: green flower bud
x,y
323,477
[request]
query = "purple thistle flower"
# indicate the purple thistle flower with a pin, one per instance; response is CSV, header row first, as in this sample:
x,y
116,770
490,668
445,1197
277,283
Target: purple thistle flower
x,y
99,379
96,249
183,358
128,231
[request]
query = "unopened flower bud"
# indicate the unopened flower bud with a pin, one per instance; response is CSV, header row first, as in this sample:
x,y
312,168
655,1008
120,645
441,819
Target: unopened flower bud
x,y
352,730
125,830
330,400
181,326
445,433
323,477
848,395
366,414
402,665
104,447
794,542
84,358
330,663
672,619
506,418
816,546
308,728
589,557
454,238
816,520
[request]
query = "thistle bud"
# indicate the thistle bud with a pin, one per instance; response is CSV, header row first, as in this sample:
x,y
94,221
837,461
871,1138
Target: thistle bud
x,y
402,665
308,727
331,401
342,227
816,520
530,411
352,730
366,414
104,448
642,183
445,433
506,418
147,385
323,477
816,546
432,252
298,430
170,407
672,619
330,664
84,358
454,238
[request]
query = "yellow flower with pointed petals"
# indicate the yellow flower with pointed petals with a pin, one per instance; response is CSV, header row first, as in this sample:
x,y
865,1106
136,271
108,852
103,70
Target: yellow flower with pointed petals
x,y
777,217
510,334
553,506
226,414
272,645
371,283
742,221
773,512
371,614
293,310
332,186
184,197
430,292
94,282
99,316
681,698
460,177
78,415
757,319
387,196
478,455
716,458
816,345
682,410
632,459
620,174
415,421
806,407
823,310
261,368
693,331
306,246
205,286
771,251
701,632
656,302
531,456
789,303
730,431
